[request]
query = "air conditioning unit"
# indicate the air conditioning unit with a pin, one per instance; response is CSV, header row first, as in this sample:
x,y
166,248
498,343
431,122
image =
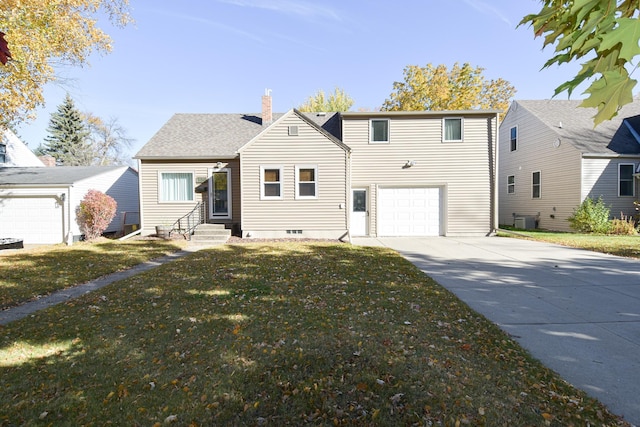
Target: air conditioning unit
x,y
525,222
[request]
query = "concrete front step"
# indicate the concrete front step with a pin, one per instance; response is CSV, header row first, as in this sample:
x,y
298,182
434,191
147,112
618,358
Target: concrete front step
x,y
210,234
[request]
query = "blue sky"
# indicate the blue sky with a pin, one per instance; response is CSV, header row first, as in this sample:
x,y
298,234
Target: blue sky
x,y
219,56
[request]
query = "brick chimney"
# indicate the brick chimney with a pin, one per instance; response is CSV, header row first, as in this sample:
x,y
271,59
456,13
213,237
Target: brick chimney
x,y
48,161
267,113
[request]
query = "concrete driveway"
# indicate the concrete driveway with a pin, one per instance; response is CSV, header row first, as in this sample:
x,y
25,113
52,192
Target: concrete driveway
x,y
576,311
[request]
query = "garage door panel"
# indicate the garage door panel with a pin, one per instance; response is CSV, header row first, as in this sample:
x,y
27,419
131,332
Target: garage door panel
x,y
34,220
409,211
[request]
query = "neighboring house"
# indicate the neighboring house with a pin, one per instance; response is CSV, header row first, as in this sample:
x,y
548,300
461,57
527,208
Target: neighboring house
x,y
325,175
14,153
552,158
38,204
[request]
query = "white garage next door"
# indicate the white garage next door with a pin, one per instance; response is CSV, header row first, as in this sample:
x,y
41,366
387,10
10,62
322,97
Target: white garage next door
x,y
409,211
34,220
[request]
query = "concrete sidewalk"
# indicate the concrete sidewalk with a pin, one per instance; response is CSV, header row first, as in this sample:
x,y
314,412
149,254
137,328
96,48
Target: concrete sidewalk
x,y
576,311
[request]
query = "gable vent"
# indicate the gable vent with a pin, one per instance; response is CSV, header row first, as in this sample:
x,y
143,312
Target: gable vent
x,y
293,130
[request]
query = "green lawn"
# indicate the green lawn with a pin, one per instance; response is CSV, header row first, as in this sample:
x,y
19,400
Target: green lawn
x,y
27,274
627,246
277,334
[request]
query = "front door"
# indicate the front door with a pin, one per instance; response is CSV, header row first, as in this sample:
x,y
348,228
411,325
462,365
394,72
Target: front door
x,y
220,194
359,212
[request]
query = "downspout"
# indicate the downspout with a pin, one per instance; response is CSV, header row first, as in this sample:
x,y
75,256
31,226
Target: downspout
x,y
349,196
495,212
69,235
140,204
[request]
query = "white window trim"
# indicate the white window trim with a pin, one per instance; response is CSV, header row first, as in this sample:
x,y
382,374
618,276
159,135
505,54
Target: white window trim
x,y
371,141
193,186
511,185
210,171
517,138
444,119
315,168
539,185
633,187
262,182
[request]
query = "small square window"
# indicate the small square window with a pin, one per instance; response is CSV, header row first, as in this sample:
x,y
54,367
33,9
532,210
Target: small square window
x,y
293,130
379,131
511,184
514,138
306,182
270,182
452,131
535,185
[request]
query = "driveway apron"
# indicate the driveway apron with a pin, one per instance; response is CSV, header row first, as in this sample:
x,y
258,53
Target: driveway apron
x,y
576,311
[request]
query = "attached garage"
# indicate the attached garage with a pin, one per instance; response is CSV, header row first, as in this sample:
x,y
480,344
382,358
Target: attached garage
x,y
412,211
32,219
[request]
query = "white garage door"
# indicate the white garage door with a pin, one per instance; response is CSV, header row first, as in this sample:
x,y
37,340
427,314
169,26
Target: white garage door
x,y
409,212
34,220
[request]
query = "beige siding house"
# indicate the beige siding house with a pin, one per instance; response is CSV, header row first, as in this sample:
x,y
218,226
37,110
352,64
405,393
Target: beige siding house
x,y
325,175
552,158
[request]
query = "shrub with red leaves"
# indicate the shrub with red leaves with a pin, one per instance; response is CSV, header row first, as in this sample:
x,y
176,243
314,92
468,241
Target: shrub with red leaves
x,y
95,213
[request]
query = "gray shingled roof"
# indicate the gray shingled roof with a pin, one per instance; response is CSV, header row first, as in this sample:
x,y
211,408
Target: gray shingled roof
x,y
59,175
214,135
610,137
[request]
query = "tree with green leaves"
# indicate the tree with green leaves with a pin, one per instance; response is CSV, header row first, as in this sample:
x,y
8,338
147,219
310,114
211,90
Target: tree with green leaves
x,y
43,34
437,88
68,136
336,101
606,33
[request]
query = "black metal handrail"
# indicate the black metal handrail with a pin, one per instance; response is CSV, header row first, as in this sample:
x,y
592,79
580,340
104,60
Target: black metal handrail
x,y
187,224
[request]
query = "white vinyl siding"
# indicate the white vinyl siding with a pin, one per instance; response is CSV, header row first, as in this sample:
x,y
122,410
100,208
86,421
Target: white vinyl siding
x,y
176,186
559,165
324,215
600,179
466,191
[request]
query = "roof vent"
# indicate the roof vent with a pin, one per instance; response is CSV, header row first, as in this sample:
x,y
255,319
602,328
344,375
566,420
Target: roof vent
x,y
560,125
321,114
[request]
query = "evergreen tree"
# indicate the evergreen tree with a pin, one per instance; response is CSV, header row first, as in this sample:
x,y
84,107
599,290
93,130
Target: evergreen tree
x,y
68,135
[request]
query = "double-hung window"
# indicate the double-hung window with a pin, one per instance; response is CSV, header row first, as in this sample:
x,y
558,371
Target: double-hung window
x,y
511,184
513,138
452,129
625,179
379,131
306,182
176,187
3,153
535,185
270,182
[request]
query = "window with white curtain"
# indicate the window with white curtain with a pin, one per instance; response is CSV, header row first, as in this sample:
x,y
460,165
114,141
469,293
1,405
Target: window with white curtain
x,y
452,129
176,187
